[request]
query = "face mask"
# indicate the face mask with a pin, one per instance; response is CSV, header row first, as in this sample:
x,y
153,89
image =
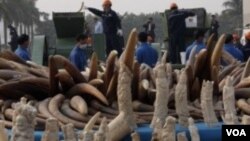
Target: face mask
x,y
82,46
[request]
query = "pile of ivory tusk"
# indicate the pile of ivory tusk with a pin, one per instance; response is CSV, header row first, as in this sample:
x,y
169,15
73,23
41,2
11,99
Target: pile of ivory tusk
x,y
109,100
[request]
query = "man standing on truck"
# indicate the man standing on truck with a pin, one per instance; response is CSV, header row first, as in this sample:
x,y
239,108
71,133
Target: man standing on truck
x,y
177,29
111,26
150,28
214,27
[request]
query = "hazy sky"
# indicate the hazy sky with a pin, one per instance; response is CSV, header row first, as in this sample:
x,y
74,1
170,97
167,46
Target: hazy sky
x,y
131,6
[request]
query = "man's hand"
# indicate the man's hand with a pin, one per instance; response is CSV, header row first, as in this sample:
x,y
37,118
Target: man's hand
x,y
119,32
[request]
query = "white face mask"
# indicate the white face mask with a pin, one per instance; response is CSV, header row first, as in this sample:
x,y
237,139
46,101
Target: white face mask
x,y
82,46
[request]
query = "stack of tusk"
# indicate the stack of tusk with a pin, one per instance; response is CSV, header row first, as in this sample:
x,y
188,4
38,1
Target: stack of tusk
x,y
207,103
51,130
182,136
88,134
124,123
181,102
135,136
168,131
23,122
229,102
79,104
103,133
69,133
162,95
193,130
245,120
3,132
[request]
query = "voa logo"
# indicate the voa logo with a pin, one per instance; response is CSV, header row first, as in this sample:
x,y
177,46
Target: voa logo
x,y
236,132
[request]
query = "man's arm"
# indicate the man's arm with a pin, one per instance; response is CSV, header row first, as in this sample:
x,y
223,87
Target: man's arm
x,y
96,11
188,14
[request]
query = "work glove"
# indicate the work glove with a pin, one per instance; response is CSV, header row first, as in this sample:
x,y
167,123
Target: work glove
x,y
119,32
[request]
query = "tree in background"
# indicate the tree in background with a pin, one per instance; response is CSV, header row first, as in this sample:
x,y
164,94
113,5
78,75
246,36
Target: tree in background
x,y
130,20
231,18
46,27
24,14
21,13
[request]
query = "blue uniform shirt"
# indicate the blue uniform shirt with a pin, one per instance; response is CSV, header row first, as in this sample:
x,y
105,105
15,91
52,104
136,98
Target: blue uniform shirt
x,y
146,54
22,52
200,46
235,52
78,58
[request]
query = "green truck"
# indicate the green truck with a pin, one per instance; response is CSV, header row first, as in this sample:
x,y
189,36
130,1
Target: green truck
x,y
67,26
201,22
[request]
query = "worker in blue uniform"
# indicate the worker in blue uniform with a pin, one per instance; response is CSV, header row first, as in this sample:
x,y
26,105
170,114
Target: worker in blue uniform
x,y
77,55
111,27
198,44
145,53
177,29
22,50
232,49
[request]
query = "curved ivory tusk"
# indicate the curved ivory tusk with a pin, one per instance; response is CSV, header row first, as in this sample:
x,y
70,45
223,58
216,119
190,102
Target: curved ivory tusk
x,y
92,122
181,102
229,102
193,130
207,103
162,95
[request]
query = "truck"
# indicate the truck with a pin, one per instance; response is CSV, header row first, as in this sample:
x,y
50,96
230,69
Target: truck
x,y
198,22
67,26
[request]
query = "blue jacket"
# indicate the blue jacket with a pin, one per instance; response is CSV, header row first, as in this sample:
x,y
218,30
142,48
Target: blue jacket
x,y
235,52
110,21
23,53
200,46
176,22
78,58
146,54
246,51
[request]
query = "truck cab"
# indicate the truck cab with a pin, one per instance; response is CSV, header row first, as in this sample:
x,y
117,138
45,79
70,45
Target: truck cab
x,y
199,22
